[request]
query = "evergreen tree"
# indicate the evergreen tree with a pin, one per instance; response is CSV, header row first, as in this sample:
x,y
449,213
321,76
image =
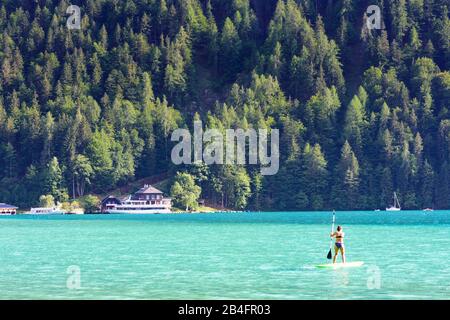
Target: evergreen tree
x,y
346,193
53,181
315,174
355,124
230,54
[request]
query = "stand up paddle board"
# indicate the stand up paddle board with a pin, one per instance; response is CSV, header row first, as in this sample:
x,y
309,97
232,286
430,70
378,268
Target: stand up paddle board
x,y
353,264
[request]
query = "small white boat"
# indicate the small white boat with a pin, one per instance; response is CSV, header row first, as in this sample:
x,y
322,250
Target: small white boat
x,y
396,206
427,209
45,211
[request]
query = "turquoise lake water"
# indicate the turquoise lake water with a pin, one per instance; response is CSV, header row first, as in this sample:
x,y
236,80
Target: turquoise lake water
x,y
224,256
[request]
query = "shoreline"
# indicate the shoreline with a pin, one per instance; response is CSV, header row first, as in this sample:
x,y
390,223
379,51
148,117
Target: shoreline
x,y
381,212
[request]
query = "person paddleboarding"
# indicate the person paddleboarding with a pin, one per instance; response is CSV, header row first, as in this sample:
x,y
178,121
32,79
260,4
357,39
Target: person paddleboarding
x,y
339,244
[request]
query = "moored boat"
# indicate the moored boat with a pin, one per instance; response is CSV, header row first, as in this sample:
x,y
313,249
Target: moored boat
x,y
396,206
7,209
45,211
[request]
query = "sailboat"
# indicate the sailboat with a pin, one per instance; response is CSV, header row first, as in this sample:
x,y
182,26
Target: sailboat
x,y
396,206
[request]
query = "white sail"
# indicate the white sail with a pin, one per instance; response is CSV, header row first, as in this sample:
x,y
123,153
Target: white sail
x,y
396,206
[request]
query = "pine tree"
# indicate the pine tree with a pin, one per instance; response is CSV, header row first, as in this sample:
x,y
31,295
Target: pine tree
x,y
399,18
9,160
53,181
99,154
230,52
355,124
426,185
315,174
236,187
442,187
346,191
48,129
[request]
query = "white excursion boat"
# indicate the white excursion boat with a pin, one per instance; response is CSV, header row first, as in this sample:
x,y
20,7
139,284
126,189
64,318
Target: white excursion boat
x,y
45,211
7,209
148,200
138,207
396,206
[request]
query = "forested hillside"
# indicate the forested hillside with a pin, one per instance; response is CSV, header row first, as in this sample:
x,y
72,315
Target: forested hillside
x,y
362,113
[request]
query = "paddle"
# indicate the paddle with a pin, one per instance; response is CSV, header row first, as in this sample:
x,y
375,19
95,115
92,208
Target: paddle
x,y
329,255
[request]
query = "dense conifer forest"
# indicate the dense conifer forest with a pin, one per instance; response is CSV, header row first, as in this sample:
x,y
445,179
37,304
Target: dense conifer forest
x,y
361,112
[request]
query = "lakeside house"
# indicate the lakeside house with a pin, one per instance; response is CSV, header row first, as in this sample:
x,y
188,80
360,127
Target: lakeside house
x,y
7,209
148,199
